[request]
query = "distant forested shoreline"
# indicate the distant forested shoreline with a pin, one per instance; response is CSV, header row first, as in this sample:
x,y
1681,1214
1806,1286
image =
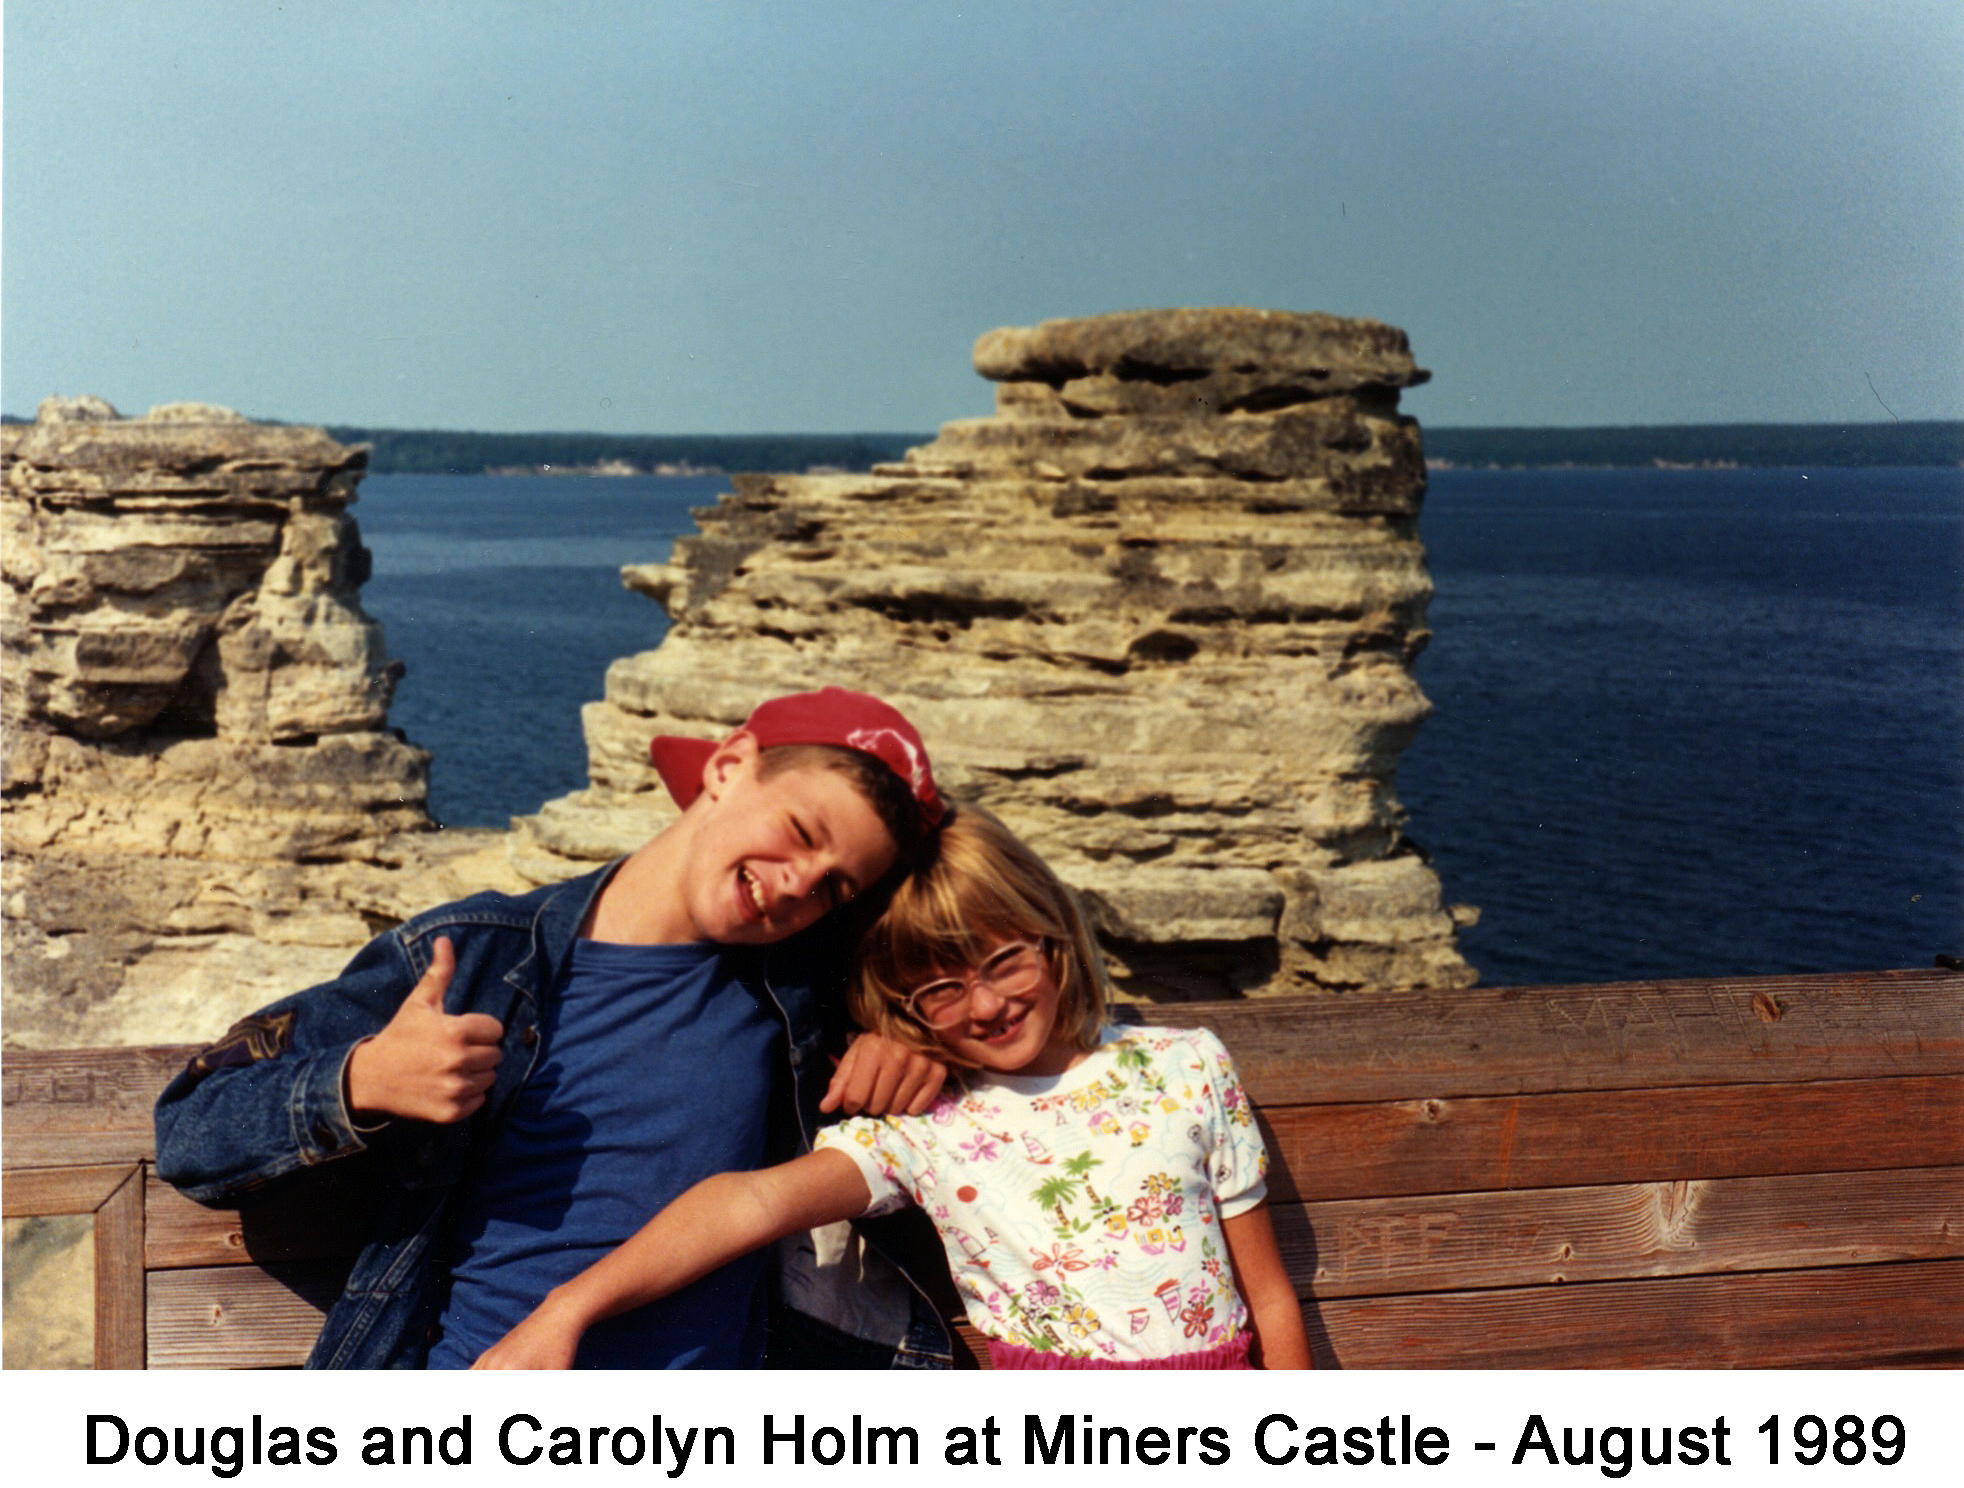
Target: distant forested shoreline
x,y
429,452
1928,442
457,452
440,452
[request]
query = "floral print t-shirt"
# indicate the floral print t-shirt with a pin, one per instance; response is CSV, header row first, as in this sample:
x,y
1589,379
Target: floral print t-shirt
x,y
1082,1212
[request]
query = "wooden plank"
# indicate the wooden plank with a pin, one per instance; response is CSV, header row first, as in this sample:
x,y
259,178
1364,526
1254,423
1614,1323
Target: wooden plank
x,y
1459,1242
181,1233
238,1317
34,1191
1853,1317
64,1107
1381,1149
119,1276
1863,1316
1612,1036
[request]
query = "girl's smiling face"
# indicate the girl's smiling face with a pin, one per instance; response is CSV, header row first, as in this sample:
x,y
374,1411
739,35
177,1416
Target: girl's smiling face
x,y
1014,1033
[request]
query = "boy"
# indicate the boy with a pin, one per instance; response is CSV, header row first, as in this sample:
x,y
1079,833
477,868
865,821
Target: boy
x,y
515,1083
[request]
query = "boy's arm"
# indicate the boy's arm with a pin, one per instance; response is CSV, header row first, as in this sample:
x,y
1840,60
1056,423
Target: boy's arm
x,y
286,1088
879,1076
1280,1341
269,1096
707,1226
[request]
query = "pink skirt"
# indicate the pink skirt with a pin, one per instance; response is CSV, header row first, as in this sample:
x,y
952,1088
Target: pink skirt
x,y
1230,1355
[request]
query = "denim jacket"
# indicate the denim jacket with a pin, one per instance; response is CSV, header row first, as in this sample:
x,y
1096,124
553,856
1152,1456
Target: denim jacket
x,y
262,1109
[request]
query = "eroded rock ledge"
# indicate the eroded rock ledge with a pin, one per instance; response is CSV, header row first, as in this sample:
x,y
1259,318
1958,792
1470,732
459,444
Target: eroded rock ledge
x,y
1159,612
203,807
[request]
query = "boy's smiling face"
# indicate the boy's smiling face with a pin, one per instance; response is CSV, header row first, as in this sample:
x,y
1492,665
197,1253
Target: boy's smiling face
x,y
772,856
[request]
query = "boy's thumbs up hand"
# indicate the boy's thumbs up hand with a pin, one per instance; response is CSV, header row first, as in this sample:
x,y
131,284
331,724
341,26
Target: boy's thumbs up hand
x,y
426,1064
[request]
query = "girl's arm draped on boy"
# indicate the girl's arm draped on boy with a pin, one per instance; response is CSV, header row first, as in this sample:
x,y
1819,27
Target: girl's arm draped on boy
x,y
710,1225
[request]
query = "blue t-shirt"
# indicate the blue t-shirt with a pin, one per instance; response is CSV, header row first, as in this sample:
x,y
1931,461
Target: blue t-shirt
x,y
657,1070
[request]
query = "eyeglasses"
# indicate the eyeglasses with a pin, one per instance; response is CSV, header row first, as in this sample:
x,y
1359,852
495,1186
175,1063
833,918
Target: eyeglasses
x,y
1013,971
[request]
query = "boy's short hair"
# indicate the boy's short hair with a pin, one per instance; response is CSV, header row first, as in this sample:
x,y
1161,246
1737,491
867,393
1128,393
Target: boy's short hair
x,y
977,884
878,786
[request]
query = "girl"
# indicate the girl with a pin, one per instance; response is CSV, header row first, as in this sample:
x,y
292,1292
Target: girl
x,y
1099,1190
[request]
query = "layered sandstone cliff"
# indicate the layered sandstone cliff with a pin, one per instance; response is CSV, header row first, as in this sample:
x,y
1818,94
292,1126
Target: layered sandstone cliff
x,y
203,807
1158,612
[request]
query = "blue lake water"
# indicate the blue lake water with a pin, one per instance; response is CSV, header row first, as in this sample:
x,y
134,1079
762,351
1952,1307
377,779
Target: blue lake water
x,y
1685,722
503,597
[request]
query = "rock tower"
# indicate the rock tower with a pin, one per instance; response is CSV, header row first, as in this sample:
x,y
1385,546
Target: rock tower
x,y
202,803
1158,612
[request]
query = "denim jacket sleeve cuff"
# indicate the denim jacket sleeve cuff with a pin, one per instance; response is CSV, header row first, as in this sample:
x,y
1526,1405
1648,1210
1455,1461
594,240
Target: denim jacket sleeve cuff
x,y
360,1128
323,1128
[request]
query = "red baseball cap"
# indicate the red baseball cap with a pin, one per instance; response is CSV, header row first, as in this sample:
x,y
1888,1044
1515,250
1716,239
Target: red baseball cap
x,y
848,720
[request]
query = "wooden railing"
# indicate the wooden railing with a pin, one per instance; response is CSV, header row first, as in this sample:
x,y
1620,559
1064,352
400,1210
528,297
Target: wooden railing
x,y
1742,1172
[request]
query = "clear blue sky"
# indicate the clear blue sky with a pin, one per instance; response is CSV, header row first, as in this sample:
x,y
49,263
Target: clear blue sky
x,y
637,216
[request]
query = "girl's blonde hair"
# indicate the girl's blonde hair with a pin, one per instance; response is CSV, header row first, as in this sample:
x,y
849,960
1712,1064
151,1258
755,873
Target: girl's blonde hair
x,y
977,886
